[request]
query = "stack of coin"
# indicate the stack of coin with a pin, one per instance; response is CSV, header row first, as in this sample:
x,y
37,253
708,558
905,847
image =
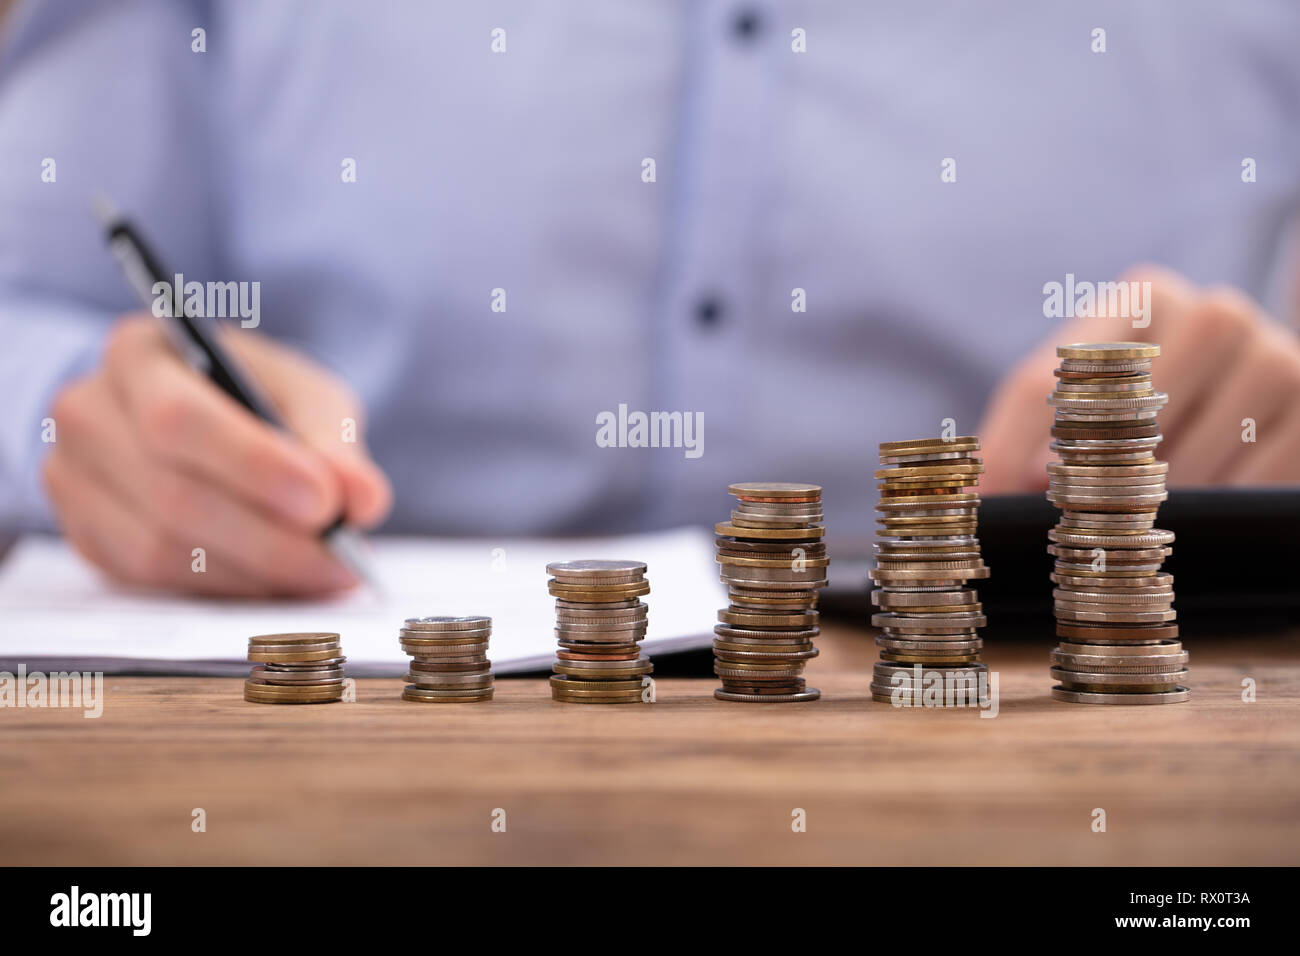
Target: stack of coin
x,y
295,669
599,621
449,662
773,561
1114,606
926,555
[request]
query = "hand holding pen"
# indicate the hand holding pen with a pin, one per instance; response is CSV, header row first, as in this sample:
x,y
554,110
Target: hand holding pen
x,y
170,478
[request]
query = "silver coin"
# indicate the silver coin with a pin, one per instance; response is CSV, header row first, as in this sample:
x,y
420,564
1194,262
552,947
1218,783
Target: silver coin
x,y
1141,581
1174,676
1112,418
448,623
600,606
323,675
290,667
1119,446
1125,596
1139,384
1153,538
928,622
443,638
1074,402
766,521
1106,367
1078,569
1099,523
887,598
779,508
1143,664
445,650
1115,617
745,577
1109,555
449,679
589,569
811,693
904,644
763,655
600,637
1176,696
1113,651
963,542
734,634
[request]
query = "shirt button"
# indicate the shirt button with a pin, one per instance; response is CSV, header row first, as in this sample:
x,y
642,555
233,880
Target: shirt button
x,y
708,311
745,24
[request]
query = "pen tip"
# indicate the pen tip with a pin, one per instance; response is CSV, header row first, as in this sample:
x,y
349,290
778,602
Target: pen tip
x,y
104,209
348,546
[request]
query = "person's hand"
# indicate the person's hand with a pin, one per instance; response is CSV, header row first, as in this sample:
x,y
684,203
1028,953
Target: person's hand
x,y
1222,362
151,461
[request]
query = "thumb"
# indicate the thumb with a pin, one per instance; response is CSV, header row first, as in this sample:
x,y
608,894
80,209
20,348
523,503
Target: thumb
x,y
326,415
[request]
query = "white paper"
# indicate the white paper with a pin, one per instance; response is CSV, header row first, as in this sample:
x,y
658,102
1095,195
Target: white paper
x,y
56,611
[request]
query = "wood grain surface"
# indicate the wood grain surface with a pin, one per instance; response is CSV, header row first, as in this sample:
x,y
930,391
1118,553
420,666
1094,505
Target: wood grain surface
x,y
685,780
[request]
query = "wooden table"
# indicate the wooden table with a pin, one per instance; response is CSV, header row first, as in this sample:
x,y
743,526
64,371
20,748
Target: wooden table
x,y
687,780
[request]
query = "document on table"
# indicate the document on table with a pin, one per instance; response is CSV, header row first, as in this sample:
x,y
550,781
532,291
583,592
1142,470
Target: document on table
x,y
57,612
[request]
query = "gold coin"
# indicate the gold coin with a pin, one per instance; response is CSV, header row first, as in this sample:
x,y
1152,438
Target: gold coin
x,y
423,696
773,562
588,686
899,449
279,657
262,693
773,489
1107,351
599,597
564,698
727,529
942,470
308,637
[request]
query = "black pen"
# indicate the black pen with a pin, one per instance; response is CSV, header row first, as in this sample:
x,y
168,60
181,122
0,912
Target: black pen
x,y
202,350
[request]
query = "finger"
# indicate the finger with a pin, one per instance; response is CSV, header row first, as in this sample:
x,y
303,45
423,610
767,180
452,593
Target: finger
x,y
367,493
184,419
125,546
1017,428
1199,335
1262,385
327,415
289,560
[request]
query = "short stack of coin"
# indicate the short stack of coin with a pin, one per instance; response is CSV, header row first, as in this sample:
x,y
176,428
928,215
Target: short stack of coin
x,y
295,669
926,555
599,621
449,662
1114,606
773,562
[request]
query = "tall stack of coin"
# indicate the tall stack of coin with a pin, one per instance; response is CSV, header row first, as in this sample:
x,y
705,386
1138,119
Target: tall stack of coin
x,y
449,662
773,561
1114,606
926,555
295,669
599,622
